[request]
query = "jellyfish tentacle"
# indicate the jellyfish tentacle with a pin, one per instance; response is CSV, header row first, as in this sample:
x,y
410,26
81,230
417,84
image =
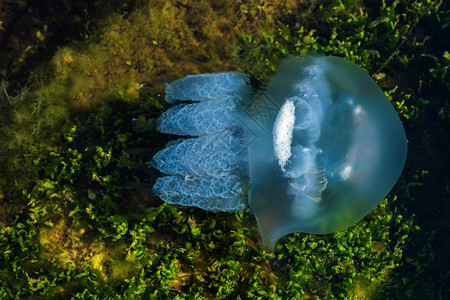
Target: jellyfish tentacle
x,y
134,165
212,155
209,193
144,187
208,171
198,119
206,87
141,151
139,126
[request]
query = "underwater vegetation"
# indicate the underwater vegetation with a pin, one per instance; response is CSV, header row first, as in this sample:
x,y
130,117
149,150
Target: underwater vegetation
x,y
317,149
117,56
68,231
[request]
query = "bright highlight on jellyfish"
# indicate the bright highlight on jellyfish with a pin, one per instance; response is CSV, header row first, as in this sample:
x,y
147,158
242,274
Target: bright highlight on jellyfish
x,y
314,151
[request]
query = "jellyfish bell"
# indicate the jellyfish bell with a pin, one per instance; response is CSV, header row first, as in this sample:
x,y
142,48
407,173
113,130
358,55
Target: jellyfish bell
x,y
332,152
314,151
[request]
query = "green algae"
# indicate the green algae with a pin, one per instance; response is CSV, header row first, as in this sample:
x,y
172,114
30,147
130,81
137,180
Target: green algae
x,y
123,55
69,231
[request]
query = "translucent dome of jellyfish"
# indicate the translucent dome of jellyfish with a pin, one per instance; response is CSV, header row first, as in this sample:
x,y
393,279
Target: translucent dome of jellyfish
x,y
314,151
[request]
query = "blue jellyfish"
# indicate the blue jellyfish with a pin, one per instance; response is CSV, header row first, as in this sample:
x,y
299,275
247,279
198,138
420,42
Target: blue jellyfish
x,y
313,151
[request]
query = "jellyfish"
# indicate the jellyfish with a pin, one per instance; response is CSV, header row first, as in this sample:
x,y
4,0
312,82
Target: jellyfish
x,y
314,151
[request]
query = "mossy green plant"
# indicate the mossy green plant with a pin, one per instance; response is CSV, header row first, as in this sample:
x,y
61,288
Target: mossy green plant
x,y
74,233
124,54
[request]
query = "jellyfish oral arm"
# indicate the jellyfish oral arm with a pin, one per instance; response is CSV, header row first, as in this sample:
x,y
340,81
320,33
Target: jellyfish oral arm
x,y
209,169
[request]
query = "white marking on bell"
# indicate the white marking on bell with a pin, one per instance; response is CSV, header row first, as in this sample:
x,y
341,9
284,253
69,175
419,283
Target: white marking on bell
x,y
345,174
282,133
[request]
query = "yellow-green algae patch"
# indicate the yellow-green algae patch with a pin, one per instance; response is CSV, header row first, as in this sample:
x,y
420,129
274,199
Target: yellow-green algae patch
x,y
70,249
365,288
